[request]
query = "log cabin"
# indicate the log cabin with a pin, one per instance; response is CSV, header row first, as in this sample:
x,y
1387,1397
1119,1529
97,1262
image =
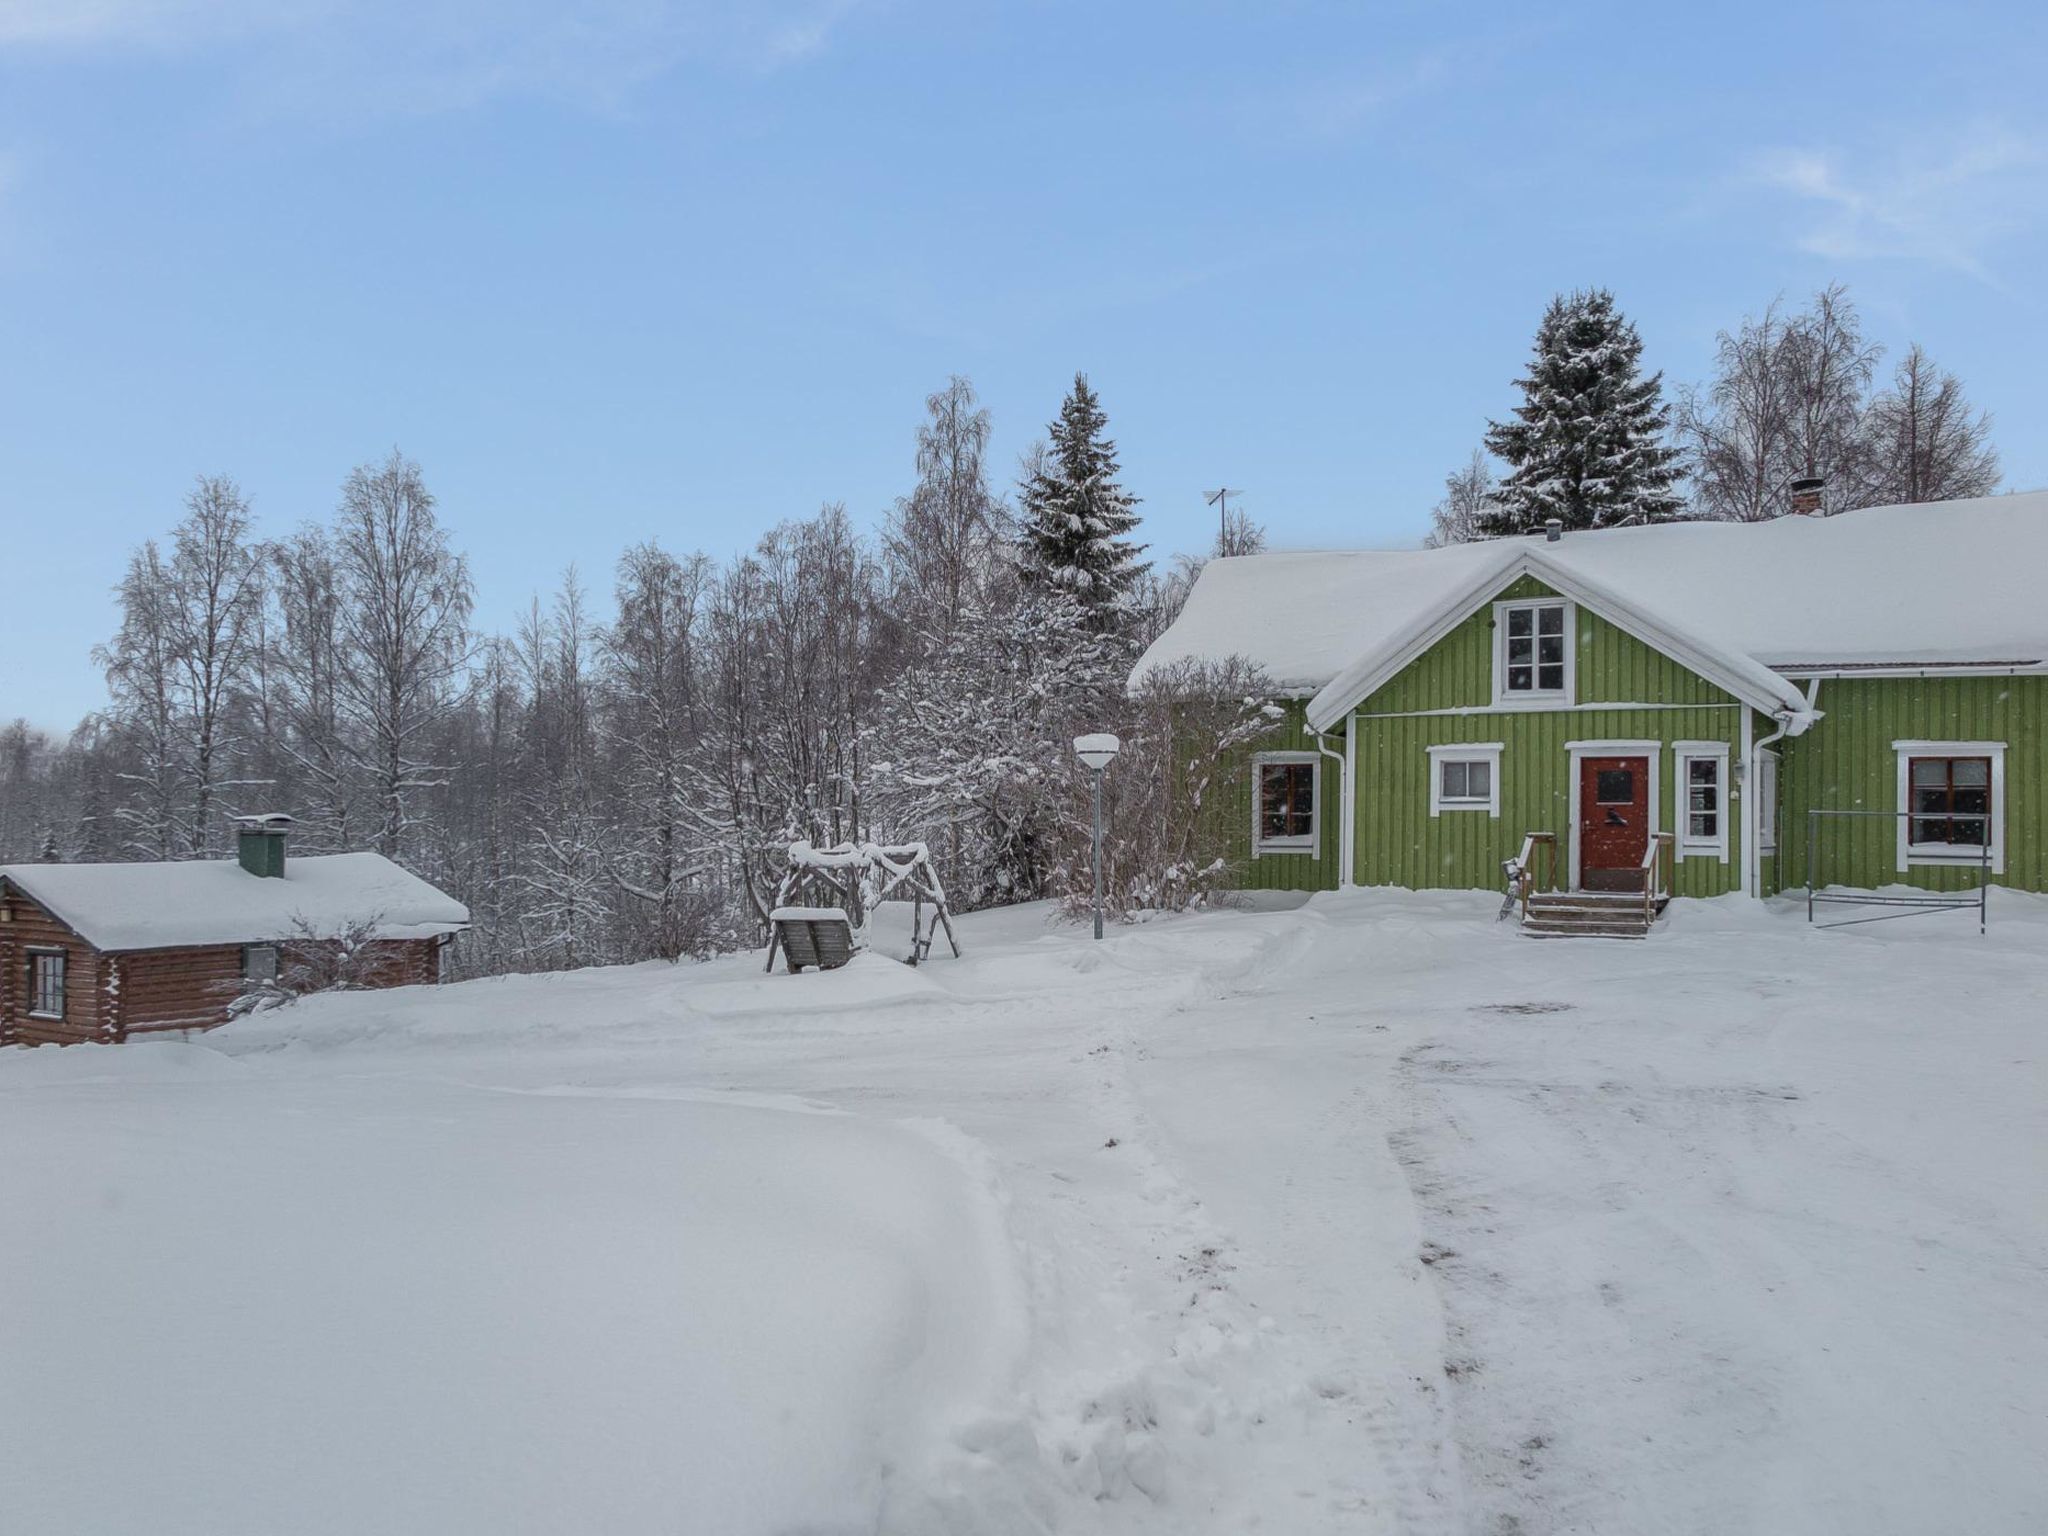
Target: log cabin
x,y
109,952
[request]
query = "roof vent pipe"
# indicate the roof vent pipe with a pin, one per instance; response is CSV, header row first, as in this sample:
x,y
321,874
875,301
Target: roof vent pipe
x,y
1806,495
1553,529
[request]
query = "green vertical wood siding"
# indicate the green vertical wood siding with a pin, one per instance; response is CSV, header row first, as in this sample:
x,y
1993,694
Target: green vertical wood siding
x,y
1627,690
1846,762
1399,843
1227,818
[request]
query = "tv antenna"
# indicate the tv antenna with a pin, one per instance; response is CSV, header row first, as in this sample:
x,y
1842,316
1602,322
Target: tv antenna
x,y
1220,499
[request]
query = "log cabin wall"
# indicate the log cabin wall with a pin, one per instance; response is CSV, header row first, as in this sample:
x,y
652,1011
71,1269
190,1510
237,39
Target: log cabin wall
x,y
169,989
26,928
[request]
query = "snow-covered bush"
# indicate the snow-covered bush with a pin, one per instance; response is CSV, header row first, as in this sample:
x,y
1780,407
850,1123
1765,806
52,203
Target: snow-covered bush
x,y
1187,735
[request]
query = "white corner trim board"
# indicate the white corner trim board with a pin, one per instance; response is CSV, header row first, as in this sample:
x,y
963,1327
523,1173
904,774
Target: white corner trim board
x,y
1926,856
1469,753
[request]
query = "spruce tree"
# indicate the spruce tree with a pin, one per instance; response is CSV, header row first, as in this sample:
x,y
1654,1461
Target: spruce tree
x,y
1587,443
1076,516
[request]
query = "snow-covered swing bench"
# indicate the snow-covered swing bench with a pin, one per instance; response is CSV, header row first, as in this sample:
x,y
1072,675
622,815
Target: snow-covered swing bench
x,y
823,903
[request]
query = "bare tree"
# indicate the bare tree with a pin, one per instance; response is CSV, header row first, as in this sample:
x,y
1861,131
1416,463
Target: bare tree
x,y
216,593
403,632
653,725
1470,494
1827,367
304,667
1922,441
142,671
946,537
181,667
1739,429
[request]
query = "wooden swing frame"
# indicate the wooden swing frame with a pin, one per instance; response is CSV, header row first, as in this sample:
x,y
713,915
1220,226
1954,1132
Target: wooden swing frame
x,y
858,877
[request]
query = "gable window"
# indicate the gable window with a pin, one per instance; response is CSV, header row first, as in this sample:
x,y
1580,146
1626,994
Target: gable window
x,y
1532,653
1767,803
259,963
46,983
1465,776
1284,803
1953,794
1703,817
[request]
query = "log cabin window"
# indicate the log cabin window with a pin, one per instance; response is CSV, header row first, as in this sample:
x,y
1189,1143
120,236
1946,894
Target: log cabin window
x,y
1952,796
46,983
1532,658
1703,815
259,963
1284,803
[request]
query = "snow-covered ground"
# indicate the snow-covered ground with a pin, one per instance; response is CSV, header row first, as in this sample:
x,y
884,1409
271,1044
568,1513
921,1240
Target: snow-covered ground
x,y
1366,1216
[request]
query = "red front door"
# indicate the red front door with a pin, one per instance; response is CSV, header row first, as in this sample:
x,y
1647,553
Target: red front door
x,y
1614,822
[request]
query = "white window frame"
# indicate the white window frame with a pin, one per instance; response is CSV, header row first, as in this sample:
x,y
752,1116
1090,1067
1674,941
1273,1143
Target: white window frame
x,y
1537,698
1925,857
1767,801
1685,844
1487,752
1312,845
249,951
41,952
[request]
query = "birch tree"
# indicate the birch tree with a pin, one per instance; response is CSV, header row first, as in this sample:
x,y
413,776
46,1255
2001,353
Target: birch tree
x,y
403,634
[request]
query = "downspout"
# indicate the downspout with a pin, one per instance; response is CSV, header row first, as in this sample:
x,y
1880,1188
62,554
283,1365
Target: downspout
x,y
1349,863
1343,802
1753,775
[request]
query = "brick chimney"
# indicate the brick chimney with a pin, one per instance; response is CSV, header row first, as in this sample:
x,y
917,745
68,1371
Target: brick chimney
x,y
1806,491
259,843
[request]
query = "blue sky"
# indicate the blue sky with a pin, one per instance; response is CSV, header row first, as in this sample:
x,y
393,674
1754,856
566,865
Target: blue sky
x,y
636,268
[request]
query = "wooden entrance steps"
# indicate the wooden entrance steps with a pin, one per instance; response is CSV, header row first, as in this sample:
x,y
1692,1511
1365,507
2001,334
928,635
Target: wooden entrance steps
x,y
1589,914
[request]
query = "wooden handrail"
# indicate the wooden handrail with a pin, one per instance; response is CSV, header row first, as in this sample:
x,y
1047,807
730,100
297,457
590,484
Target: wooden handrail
x,y
1526,865
1656,871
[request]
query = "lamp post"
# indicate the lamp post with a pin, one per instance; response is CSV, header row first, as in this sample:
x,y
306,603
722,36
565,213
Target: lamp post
x,y
1098,751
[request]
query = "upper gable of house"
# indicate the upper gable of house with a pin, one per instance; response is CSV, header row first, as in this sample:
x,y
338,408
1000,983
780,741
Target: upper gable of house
x,y
1608,666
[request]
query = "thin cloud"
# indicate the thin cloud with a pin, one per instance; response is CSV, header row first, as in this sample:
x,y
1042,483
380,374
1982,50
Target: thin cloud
x,y
1338,108
1953,207
411,56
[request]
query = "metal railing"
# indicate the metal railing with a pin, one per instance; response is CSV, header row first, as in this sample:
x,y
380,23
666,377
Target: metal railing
x,y
1933,901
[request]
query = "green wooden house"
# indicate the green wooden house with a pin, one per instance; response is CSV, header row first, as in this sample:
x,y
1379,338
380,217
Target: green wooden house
x,y
1622,716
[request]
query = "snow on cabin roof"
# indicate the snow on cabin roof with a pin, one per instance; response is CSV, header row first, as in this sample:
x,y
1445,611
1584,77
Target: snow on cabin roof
x,y
1948,583
216,901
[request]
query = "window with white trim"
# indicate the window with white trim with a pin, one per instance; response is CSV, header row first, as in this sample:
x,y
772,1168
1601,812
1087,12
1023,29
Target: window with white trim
x,y
259,963
1767,802
1703,807
46,969
1954,795
1532,653
1284,802
1465,776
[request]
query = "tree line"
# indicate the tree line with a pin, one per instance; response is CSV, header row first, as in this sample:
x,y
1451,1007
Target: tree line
x,y
617,777
1795,394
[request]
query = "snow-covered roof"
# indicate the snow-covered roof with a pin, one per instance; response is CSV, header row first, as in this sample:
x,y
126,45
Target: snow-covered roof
x,y
216,901
1946,584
